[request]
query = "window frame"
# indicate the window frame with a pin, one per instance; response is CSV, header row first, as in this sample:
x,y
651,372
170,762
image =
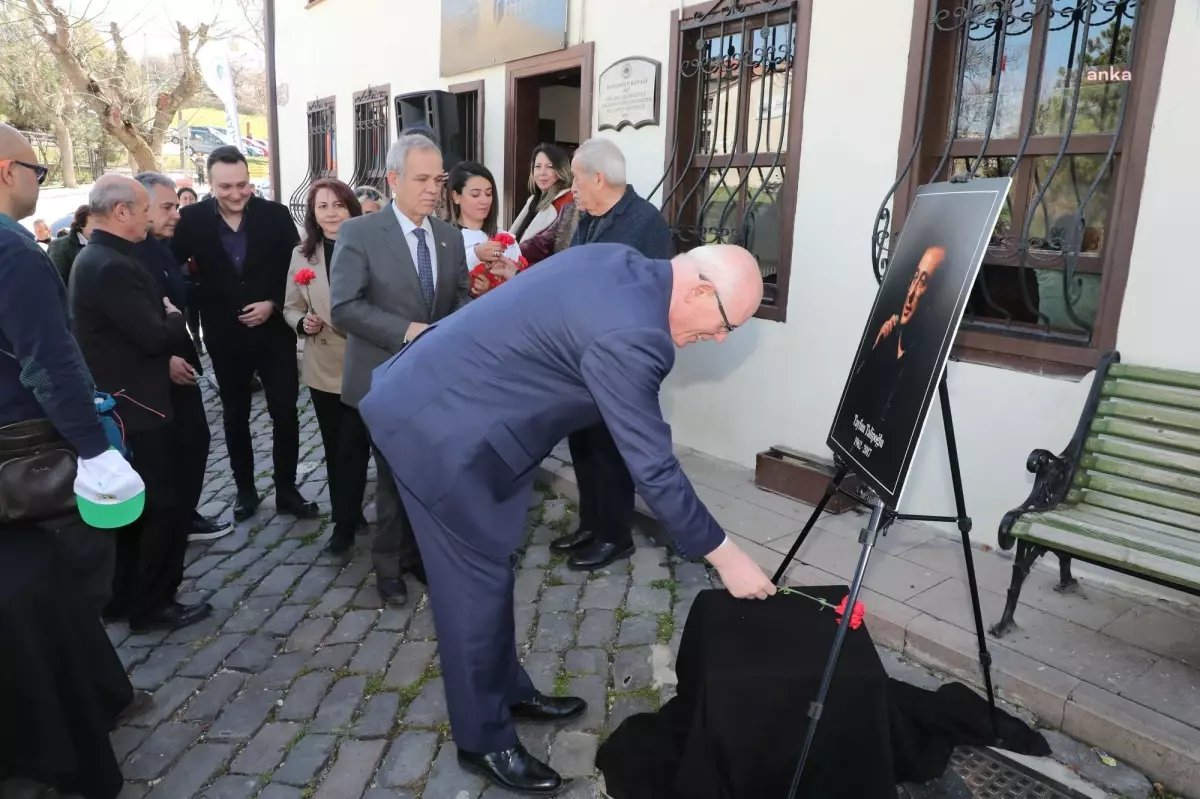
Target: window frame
x,y
362,166
1026,352
476,86
676,162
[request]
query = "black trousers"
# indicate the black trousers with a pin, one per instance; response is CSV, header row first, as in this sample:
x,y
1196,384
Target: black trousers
x,y
235,363
150,551
192,461
193,310
347,452
394,548
90,554
605,485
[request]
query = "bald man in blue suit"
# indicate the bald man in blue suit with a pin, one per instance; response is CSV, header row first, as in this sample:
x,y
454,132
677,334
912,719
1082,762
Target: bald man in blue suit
x,y
468,410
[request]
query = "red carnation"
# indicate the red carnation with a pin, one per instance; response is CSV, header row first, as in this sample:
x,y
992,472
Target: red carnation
x,y
504,239
856,617
304,277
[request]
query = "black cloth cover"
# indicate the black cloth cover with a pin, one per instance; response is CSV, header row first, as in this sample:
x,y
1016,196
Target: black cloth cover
x,y
748,671
61,683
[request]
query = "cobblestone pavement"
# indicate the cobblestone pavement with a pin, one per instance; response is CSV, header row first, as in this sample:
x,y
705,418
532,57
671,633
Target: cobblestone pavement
x,y
301,685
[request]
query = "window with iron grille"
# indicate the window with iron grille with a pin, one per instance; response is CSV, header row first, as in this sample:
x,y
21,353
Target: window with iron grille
x,y
470,118
735,95
322,152
371,138
1059,95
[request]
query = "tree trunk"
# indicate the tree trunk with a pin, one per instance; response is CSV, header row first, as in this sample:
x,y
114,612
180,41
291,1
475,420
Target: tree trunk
x,y
141,155
66,150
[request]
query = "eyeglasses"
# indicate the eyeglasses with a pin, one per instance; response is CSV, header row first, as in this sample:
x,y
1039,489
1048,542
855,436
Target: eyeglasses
x,y
725,326
38,169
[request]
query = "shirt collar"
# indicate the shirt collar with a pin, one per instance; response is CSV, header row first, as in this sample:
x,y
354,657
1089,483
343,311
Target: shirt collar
x,y
406,224
12,224
123,246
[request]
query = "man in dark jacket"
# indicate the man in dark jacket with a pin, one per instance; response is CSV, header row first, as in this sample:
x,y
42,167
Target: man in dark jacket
x,y
243,247
127,330
186,400
610,212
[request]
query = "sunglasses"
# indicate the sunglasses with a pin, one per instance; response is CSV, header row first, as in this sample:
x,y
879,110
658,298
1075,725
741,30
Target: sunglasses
x,y
38,169
725,326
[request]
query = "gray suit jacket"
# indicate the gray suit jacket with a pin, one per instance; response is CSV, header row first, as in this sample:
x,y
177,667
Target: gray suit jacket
x,y
375,293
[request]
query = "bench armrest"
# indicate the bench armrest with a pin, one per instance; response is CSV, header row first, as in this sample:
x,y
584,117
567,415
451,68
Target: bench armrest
x,y
1051,480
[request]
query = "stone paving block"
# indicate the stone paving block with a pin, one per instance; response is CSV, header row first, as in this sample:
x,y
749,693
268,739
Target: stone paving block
x,y
644,599
639,629
253,654
233,542
409,663
150,760
648,564
285,620
266,750
313,584
192,771
340,704
528,584
422,627
305,760
124,740
429,708
280,673
625,706
566,576
604,593
354,574
1119,780
593,689
306,527
378,717
240,561
214,696
305,696
598,628
543,669
152,638
229,596
202,630
375,653
448,780
309,634
352,627
367,598
253,614
243,716
392,619
556,598
332,657
586,661
632,669
409,758
167,700
307,554
209,659
202,565
232,787
537,556
384,793
279,580
574,754
163,662
524,617
352,770
334,600
214,579
117,632
555,632
272,533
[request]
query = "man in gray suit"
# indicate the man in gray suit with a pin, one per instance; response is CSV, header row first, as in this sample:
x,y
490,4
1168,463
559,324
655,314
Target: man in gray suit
x,y
393,274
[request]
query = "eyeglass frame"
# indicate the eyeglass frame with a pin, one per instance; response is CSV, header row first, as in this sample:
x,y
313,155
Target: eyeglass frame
x,y
727,328
40,171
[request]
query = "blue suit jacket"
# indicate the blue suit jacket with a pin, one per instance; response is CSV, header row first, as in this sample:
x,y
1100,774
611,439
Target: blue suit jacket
x,y
466,412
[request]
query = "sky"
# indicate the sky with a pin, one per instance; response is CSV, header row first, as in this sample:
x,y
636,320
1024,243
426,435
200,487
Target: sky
x,y
149,25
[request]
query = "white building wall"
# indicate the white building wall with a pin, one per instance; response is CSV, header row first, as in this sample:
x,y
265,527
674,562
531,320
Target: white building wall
x,y
779,383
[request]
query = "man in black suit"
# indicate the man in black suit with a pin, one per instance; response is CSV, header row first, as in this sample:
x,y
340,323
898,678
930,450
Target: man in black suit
x,y
127,331
242,247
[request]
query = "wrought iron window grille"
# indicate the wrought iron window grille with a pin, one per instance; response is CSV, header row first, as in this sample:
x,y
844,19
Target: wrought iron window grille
x,y
322,153
372,135
1044,97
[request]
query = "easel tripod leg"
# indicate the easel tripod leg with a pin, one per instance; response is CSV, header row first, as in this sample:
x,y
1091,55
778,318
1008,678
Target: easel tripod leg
x,y
830,490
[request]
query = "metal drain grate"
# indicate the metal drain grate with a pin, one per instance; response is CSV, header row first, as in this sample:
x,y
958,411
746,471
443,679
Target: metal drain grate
x,y
992,776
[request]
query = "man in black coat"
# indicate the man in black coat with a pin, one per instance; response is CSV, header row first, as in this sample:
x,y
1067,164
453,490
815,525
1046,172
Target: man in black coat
x,y
611,212
127,330
242,247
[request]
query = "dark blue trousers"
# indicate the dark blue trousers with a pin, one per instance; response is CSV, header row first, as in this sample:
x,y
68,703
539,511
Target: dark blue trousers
x,y
472,597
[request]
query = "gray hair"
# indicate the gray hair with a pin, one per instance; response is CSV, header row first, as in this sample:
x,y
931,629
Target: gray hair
x,y
599,156
151,179
398,152
109,192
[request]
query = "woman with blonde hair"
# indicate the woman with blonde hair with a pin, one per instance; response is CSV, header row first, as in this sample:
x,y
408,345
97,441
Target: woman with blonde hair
x,y
549,192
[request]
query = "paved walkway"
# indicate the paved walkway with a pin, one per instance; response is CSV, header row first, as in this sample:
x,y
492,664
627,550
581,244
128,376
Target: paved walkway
x,y
1106,666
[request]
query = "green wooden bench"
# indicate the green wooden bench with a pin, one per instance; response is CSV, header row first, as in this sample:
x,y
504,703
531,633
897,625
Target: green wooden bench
x,y
1125,493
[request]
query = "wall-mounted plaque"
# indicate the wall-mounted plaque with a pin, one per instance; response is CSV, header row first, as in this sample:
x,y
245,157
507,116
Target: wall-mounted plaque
x,y
628,94
484,33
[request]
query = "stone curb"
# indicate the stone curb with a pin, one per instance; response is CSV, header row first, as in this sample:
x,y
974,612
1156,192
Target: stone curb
x,y
1165,749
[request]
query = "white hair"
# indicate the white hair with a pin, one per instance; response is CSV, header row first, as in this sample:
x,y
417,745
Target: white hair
x,y
599,156
151,179
712,263
106,195
398,152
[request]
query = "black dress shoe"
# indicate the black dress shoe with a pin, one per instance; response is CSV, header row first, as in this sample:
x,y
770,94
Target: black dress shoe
x,y
246,505
205,530
554,709
341,541
514,770
572,541
392,590
599,555
172,617
291,503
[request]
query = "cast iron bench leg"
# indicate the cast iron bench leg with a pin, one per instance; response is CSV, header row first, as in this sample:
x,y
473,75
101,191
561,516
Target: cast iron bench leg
x,y
1026,554
1066,583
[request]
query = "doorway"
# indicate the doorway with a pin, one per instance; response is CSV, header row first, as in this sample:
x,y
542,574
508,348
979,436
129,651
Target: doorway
x,y
549,100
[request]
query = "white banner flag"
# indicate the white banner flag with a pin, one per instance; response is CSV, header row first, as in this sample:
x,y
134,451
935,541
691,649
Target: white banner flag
x,y
214,67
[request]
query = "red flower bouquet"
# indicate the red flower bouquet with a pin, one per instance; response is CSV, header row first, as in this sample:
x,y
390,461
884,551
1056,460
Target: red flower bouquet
x,y
511,251
302,278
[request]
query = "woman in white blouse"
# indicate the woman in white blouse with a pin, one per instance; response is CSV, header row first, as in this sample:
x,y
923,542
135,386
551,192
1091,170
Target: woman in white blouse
x,y
550,192
473,209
